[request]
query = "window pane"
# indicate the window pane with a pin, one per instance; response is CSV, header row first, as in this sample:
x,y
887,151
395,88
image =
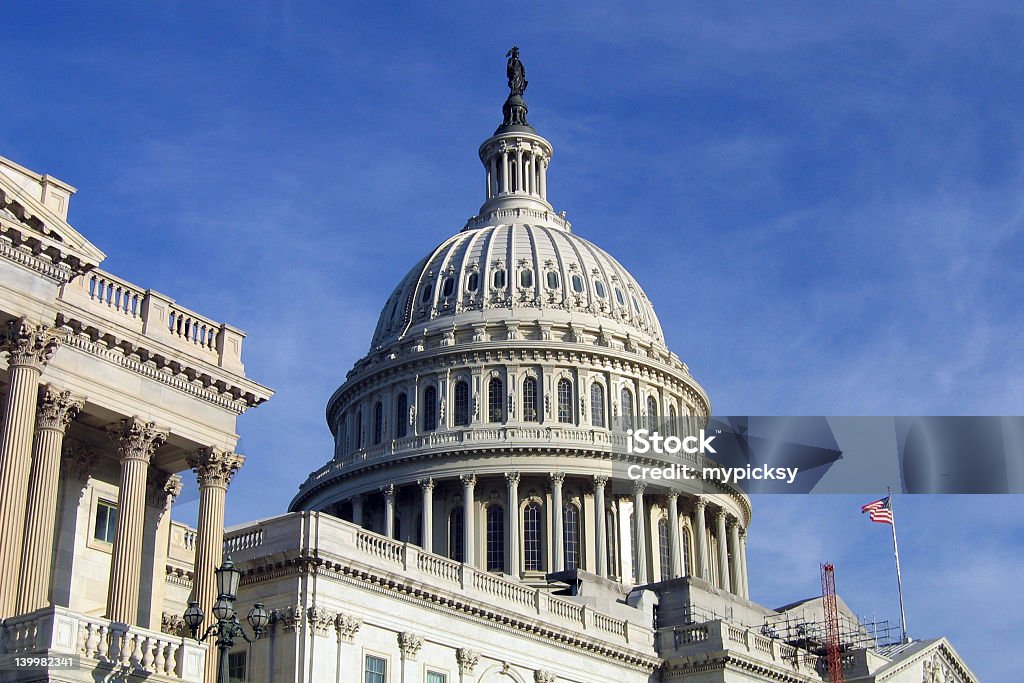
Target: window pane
x,y
461,403
530,408
577,284
526,278
434,677
449,286
495,538
664,558
106,522
430,409
455,535
531,537
571,532
499,279
236,667
473,283
552,279
378,422
401,415
428,289
626,399
495,401
376,669
564,400
597,405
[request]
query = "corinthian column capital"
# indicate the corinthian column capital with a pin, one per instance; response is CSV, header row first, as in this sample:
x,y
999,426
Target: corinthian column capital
x,y
215,466
29,344
137,439
162,488
56,408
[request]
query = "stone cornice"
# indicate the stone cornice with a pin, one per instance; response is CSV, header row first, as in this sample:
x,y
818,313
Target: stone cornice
x,y
394,586
25,255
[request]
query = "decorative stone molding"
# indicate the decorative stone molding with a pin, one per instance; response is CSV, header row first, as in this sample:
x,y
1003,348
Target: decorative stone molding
x,y
388,489
289,617
321,620
600,480
172,624
409,645
136,438
468,479
162,488
467,660
29,344
557,478
56,408
512,477
544,677
215,466
638,488
346,626
79,460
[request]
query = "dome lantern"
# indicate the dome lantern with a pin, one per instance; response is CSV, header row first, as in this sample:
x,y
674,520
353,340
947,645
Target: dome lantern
x,y
515,158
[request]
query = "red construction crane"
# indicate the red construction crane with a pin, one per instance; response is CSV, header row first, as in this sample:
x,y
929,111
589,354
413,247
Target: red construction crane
x,y
832,647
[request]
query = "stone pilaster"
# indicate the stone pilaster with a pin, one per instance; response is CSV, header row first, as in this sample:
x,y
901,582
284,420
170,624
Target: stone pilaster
x,y
723,551
161,491
29,347
56,410
675,557
601,532
734,548
700,537
468,518
557,533
544,677
427,533
137,441
640,529
512,563
214,469
389,509
409,645
467,660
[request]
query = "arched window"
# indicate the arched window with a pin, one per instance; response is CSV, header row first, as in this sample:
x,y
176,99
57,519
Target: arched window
x,y
473,282
378,422
531,537
564,400
531,409
359,428
686,551
673,421
430,409
456,539
495,400
571,534
652,413
498,279
663,551
461,413
597,404
626,399
495,538
612,544
401,415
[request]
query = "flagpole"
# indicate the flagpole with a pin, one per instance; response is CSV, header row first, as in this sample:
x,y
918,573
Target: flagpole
x,y
899,578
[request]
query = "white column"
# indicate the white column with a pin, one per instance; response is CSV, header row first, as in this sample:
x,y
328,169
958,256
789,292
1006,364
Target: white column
x,y
427,531
389,509
519,170
675,557
512,563
505,185
138,441
601,532
467,660
544,184
700,539
640,529
558,535
357,509
723,551
468,521
30,348
744,584
734,547
56,410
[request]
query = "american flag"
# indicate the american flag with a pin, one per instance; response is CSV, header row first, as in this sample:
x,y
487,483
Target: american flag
x,y
880,510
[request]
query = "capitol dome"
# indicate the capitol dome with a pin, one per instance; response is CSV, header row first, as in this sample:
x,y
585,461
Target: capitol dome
x,y
489,420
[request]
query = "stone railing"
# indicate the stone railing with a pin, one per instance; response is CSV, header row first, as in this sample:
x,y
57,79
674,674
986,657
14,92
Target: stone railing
x,y
102,647
718,635
319,534
181,546
104,302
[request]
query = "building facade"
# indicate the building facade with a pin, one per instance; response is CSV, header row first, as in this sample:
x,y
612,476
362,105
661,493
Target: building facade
x,y
476,522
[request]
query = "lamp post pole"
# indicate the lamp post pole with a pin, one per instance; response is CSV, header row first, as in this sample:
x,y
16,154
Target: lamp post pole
x,y
227,627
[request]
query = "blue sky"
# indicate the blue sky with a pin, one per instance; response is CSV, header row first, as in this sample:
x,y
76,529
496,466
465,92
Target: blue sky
x,y
823,203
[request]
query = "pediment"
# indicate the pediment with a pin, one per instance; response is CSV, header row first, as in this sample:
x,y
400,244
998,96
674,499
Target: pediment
x,y
934,661
25,220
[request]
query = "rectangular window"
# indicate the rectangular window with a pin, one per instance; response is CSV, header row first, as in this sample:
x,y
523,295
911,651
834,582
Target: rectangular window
x,y
236,667
435,677
106,521
376,669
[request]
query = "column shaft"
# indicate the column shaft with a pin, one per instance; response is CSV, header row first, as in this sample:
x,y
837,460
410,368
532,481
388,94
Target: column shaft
x,y
56,409
675,557
357,510
557,533
427,515
734,548
700,537
512,563
468,525
640,527
723,552
29,347
389,510
600,530
744,584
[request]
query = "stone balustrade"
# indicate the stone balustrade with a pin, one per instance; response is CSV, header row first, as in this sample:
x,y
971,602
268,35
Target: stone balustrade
x,y
108,649
720,635
344,543
111,306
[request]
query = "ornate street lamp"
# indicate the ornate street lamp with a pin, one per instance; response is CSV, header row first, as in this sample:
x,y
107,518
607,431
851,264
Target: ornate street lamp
x,y
227,627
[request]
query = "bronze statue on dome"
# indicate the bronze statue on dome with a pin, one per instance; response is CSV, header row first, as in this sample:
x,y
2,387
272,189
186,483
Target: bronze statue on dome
x,y
516,73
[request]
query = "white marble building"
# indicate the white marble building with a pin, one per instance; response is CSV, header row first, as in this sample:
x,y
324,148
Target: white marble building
x,y
475,523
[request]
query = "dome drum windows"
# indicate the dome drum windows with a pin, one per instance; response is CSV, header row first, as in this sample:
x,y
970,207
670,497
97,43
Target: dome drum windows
x,y
602,293
577,283
401,415
498,279
426,293
565,412
626,405
553,279
460,414
597,405
473,282
531,400
430,409
526,278
495,400
448,287
532,556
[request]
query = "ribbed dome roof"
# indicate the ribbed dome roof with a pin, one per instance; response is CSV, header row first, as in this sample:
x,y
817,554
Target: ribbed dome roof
x,y
517,271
